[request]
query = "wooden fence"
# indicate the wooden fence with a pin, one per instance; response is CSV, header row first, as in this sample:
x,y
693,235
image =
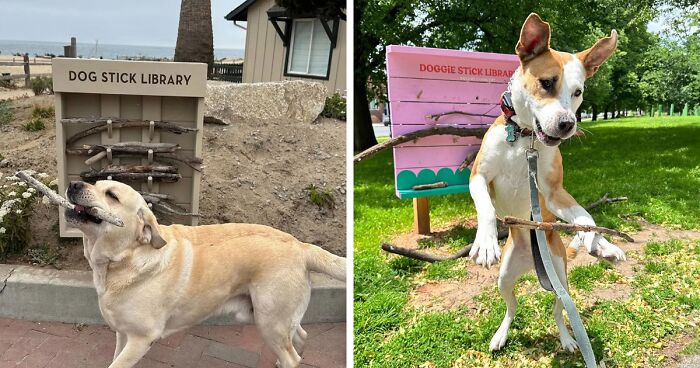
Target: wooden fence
x,y
26,75
227,72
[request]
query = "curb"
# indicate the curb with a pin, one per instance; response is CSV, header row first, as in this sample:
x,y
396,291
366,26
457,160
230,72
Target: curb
x,y
40,294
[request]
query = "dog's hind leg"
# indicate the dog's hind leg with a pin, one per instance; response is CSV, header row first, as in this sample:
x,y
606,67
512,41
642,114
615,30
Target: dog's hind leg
x,y
517,259
278,320
559,260
121,341
136,347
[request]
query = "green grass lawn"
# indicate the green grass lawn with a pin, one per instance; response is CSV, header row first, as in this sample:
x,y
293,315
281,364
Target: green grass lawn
x,y
654,162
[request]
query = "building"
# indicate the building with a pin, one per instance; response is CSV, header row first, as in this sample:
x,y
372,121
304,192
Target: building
x,y
284,46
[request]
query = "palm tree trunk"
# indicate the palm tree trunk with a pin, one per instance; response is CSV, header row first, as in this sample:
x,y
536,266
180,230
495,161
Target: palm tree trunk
x,y
195,39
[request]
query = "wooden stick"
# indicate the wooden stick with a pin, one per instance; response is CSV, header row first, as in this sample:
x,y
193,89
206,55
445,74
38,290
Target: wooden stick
x,y
57,199
154,195
167,157
124,147
437,130
440,184
605,199
558,226
467,161
412,253
94,175
120,123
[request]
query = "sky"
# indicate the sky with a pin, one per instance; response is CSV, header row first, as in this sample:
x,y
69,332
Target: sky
x,y
122,22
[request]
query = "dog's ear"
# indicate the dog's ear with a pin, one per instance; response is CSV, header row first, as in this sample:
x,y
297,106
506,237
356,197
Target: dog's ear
x,y
148,233
594,57
534,38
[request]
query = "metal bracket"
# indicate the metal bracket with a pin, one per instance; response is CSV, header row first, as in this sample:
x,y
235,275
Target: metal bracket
x,y
150,183
151,130
150,156
109,155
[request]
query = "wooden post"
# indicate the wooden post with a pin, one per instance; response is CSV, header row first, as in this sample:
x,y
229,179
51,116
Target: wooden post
x,y
670,113
73,47
685,109
27,76
421,216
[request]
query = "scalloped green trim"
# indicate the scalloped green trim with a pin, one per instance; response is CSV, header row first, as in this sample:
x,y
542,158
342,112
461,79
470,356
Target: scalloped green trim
x,y
457,182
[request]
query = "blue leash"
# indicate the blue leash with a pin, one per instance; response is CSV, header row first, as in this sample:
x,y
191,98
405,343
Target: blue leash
x,y
546,258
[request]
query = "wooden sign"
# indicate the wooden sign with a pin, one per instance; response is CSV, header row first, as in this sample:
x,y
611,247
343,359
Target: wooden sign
x,y
424,82
133,121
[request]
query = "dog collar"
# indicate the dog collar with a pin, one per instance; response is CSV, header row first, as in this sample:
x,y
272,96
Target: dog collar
x,y
513,130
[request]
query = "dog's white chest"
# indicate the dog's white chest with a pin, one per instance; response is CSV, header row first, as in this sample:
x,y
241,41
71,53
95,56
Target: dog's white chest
x,y
506,165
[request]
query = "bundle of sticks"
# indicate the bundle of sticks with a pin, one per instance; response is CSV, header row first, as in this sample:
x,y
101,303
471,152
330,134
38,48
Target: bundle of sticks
x,y
55,198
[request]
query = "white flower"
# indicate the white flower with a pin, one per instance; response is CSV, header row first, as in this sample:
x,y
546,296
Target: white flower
x,y
11,178
53,182
22,184
43,175
26,195
18,212
45,200
2,230
31,190
12,194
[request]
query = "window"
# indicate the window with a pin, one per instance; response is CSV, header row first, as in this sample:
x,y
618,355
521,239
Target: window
x,y
310,51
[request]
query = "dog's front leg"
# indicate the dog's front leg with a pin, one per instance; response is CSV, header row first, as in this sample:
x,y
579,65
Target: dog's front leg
x,y
564,206
485,250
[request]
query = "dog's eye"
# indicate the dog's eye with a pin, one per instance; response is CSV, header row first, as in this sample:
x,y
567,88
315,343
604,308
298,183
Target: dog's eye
x,y
547,84
112,195
578,93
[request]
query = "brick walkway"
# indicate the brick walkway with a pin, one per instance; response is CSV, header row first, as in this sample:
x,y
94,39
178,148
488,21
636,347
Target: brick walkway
x,y
59,345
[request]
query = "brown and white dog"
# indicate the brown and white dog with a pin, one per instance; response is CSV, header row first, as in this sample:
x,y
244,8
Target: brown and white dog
x,y
546,90
155,280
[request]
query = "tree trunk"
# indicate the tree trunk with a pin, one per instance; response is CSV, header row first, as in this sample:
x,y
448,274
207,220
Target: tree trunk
x,y
578,115
594,109
605,114
195,39
363,132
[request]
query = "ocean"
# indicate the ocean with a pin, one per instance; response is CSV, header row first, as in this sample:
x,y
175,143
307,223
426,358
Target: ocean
x,y
107,51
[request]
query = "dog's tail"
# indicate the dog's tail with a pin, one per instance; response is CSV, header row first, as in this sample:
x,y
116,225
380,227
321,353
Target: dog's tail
x,y
320,260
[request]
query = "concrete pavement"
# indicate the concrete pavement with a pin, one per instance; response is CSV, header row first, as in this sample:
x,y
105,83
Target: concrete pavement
x,y
29,344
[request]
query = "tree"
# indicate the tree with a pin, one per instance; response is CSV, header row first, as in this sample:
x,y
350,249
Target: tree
x,y
478,25
195,39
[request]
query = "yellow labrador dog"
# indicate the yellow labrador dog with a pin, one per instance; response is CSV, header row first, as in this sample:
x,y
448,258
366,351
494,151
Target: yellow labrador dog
x,y
154,280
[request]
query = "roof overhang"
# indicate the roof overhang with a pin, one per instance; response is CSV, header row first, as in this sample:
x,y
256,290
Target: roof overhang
x,y
277,14
240,14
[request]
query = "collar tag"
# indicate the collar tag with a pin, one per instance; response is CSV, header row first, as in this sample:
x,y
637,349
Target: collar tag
x,y
510,133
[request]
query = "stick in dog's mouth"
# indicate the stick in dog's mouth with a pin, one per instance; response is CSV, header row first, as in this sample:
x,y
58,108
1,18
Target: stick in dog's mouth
x,y
94,214
83,213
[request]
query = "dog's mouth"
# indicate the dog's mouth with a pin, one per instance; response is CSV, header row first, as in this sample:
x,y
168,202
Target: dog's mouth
x,y
81,214
544,138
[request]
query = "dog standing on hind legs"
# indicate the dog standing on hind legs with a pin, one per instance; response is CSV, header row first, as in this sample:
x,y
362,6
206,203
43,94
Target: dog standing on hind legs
x,y
546,91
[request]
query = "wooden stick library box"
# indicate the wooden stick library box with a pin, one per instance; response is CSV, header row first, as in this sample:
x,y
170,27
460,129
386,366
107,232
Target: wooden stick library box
x,y
138,122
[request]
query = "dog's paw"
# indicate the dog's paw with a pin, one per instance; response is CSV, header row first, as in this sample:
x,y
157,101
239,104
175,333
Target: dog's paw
x,y
485,250
568,343
602,248
498,340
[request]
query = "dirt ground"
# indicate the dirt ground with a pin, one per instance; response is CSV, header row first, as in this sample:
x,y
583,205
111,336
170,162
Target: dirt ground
x,y
255,172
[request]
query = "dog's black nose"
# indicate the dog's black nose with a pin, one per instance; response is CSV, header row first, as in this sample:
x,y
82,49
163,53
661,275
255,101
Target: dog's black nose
x,y
75,185
565,126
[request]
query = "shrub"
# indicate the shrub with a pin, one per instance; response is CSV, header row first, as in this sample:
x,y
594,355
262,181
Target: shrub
x,y
42,112
42,84
35,125
9,84
6,112
16,204
319,197
335,107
